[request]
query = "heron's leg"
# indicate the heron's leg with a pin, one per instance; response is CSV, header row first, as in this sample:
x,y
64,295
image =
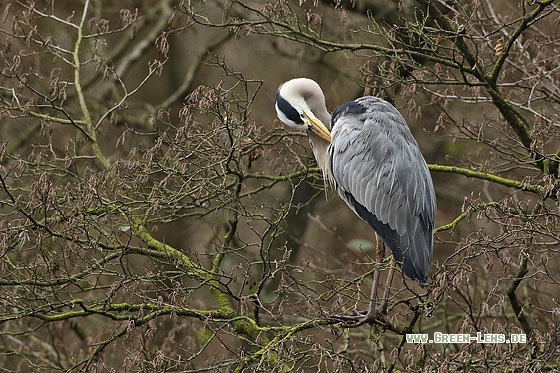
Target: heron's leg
x,y
374,286
379,257
370,316
382,309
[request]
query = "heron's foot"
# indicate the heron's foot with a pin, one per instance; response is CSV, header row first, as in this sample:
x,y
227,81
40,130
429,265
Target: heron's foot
x,y
373,316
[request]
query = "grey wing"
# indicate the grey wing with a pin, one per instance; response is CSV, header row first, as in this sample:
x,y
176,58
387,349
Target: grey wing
x,y
381,174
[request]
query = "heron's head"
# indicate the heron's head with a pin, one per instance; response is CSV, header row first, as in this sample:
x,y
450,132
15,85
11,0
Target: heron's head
x,y
300,103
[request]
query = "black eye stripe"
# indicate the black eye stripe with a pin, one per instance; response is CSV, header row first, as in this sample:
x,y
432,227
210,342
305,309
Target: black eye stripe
x,y
288,110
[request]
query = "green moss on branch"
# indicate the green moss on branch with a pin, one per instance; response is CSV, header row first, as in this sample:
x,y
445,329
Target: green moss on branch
x,y
488,176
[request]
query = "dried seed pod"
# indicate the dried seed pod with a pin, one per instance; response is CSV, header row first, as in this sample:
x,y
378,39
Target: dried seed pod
x,y
499,47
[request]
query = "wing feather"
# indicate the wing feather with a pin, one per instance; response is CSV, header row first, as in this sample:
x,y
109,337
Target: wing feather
x,y
381,174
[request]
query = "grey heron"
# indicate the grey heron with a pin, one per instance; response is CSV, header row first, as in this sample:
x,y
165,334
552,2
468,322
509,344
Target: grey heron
x,y
368,154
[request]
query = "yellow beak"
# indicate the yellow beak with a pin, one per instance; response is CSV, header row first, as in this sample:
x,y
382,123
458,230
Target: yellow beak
x,y
317,127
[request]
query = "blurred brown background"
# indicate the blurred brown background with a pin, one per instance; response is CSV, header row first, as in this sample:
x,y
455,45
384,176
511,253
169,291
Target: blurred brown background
x,y
157,216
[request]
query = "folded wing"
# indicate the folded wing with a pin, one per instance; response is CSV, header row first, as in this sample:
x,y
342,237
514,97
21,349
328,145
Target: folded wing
x,y
381,174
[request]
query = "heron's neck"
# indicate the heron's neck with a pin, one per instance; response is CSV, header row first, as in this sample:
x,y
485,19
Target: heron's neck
x,y
325,117
321,153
